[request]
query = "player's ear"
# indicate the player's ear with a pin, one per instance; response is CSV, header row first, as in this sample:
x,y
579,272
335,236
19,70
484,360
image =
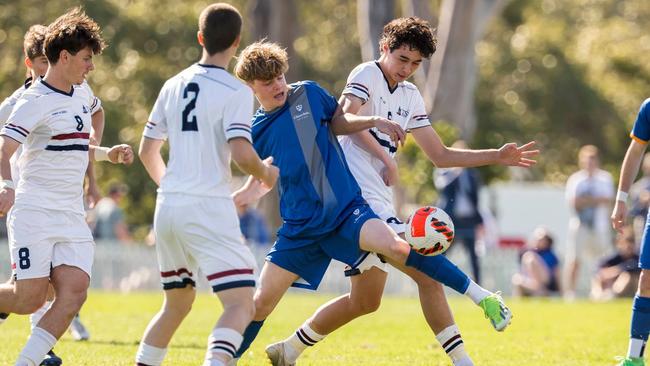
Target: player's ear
x,y
199,37
236,42
28,63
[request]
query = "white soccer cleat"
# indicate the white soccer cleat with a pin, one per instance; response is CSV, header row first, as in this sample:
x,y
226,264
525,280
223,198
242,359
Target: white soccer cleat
x,y
276,355
77,330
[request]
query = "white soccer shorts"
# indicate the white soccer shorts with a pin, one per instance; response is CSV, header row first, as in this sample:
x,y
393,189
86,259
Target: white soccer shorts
x,y
40,240
203,233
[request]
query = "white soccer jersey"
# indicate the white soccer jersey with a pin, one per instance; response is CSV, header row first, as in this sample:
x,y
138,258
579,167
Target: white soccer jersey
x,y
404,105
54,128
199,111
8,105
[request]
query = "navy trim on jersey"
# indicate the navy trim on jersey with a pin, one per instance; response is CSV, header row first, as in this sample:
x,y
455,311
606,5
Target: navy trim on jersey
x,y
386,79
28,82
58,90
73,147
16,130
211,66
383,142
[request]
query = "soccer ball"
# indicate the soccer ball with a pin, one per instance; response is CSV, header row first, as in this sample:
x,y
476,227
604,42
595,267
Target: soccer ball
x,y
429,231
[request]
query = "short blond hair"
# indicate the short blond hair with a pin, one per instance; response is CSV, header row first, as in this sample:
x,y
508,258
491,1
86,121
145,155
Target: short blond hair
x,y
261,61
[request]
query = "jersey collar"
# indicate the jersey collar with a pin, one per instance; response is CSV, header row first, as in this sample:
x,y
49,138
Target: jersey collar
x,y
211,66
386,79
58,90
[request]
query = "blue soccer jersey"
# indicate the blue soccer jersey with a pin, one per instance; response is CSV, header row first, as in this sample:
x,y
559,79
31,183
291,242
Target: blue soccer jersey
x,y
317,189
641,129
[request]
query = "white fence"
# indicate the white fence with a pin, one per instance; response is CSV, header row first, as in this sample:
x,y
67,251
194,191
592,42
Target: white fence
x,y
131,268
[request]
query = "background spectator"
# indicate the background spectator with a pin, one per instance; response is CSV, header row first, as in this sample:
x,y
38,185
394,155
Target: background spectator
x,y
109,217
590,193
458,195
253,225
618,274
539,271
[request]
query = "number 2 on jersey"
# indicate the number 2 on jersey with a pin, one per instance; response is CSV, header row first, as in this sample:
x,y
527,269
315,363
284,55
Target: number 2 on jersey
x,y
190,124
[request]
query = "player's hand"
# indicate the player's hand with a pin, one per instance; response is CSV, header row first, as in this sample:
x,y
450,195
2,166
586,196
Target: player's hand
x,y
389,173
392,129
271,173
252,191
121,154
618,216
7,197
512,155
92,194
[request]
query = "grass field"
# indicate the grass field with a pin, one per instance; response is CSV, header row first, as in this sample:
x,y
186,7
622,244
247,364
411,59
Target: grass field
x,y
543,332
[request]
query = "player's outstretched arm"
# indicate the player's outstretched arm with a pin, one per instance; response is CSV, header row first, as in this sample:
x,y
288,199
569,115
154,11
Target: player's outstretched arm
x,y
249,162
151,158
446,157
8,147
629,170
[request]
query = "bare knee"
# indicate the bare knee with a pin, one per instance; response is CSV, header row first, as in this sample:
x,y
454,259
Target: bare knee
x,y
365,305
178,306
262,307
245,307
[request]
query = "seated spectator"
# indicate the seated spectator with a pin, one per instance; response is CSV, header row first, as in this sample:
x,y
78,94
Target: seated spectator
x,y
109,217
539,272
253,225
618,275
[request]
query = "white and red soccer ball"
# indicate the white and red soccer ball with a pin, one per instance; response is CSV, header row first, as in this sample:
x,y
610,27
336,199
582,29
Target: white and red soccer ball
x,y
429,231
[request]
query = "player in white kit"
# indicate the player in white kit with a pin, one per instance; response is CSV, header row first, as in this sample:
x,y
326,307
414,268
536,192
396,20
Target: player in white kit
x,y
380,88
205,113
37,65
49,239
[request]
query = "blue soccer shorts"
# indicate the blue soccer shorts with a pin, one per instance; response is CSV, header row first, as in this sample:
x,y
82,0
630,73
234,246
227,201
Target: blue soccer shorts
x,y
310,261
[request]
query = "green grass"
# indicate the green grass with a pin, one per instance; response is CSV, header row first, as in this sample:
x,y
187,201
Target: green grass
x,y
543,332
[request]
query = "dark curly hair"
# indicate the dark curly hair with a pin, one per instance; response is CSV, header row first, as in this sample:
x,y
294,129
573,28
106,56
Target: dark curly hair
x,y
72,31
413,32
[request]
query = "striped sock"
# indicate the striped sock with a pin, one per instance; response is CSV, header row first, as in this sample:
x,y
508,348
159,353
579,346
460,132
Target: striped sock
x,y
299,341
452,343
149,355
223,344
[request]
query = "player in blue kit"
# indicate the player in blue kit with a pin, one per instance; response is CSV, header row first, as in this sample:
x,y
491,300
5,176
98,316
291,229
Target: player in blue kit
x,y
640,325
324,215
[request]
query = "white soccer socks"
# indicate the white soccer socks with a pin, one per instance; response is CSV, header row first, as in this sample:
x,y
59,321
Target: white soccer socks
x,y
223,344
476,292
299,341
452,343
38,344
149,355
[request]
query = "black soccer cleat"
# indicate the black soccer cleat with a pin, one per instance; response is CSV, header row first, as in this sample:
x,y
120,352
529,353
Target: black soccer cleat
x,y
51,359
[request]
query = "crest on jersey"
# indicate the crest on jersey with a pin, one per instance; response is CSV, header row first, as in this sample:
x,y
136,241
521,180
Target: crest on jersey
x,y
85,110
402,112
299,107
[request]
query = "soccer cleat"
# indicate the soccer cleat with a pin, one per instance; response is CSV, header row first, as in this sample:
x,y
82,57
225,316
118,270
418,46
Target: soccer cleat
x,y
51,359
3,317
275,353
78,330
630,361
495,310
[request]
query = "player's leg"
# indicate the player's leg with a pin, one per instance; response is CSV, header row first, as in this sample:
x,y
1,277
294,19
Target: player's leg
x,y
177,304
438,315
36,316
70,286
178,281
364,298
226,336
377,237
273,283
576,237
640,324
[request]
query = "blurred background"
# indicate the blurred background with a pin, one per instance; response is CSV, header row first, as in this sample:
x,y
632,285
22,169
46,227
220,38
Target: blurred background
x,y
564,73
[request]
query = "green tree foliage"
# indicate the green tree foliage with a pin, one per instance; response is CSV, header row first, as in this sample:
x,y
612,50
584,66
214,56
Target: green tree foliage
x,y
564,73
